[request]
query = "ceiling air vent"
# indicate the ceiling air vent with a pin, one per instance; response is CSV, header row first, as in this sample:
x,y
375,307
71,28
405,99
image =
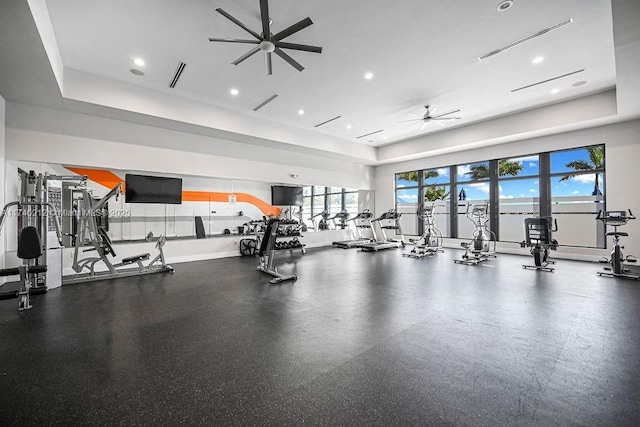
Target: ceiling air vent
x,y
548,80
525,39
179,71
369,134
330,120
268,100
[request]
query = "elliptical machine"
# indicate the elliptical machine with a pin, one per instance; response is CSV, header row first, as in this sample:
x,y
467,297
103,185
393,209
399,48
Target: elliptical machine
x,y
616,261
430,243
480,248
539,238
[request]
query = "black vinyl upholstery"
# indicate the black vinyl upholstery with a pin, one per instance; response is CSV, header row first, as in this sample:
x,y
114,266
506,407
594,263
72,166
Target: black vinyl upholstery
x,y
29,245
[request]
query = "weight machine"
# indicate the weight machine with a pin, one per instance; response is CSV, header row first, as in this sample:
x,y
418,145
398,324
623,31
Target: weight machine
x,y
89,232
483,244
430,243
30,250
617,260
538,237
266,252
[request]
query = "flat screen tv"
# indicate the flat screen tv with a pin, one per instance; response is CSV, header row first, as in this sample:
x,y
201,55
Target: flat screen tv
x,y
152,189
286,196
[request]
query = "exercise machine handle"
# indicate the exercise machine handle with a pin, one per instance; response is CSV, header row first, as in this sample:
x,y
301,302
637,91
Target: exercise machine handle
x,y
631,216
599,216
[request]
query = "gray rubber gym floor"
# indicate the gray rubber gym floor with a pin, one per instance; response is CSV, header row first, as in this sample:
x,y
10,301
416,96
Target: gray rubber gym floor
x,y
359,339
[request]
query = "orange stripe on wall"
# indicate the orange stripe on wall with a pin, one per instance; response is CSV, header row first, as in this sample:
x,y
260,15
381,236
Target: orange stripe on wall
x,y
110,180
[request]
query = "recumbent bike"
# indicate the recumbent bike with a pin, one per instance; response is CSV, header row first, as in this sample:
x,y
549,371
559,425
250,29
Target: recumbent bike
x,y
538,237
617,260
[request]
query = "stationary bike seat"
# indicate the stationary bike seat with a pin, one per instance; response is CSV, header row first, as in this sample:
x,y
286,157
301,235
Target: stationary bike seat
x,y
617,233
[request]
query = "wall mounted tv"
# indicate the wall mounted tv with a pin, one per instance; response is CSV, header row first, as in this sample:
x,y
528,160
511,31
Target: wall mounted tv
x,y
286,196
152,189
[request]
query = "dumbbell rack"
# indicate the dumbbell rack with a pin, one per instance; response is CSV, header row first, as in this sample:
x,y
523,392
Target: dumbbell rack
x,y
288,237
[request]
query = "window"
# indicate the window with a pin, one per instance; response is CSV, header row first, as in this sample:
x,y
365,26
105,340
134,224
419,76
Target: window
x,y
568,185
577,194
473,187
437,190
331,199
519,195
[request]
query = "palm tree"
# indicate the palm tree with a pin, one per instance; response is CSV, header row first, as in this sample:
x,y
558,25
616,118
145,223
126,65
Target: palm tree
x,y
409,176
432,194
505,167
596,156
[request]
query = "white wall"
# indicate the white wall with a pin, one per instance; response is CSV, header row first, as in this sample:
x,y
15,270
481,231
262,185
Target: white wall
x,y
2,170
43,135
54,136
622,160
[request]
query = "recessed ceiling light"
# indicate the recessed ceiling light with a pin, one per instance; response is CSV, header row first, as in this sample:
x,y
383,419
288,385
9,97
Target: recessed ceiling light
x,y
137,72
300,112
506,4
348,126
555,90
368,75
139,62
580,83
537,59
234,92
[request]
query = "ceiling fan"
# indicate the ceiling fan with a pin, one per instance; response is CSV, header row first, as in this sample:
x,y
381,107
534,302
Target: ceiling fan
x,y
268,42
431,117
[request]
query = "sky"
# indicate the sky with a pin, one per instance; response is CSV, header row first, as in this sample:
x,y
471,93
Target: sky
x,y
525,186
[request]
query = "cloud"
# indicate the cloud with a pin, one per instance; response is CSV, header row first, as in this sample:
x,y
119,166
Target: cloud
x,y
533,165
522,195
536,182
480,186
585,179
526,159
408,198
443,172
576,192
510,196
464,169
500,188
533,190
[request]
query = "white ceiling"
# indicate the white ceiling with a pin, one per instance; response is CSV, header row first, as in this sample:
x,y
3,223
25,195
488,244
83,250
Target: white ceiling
x,y
421,52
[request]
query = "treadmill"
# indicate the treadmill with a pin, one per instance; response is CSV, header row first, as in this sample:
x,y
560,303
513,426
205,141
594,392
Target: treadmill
x,y
388,221
361,221
343,218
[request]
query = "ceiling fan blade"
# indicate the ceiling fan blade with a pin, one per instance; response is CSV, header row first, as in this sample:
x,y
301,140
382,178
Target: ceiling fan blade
x,y
439,124
412,124
432,110
235,41
264,14
292,29
296,46
246,55
417,116
411,120
295,64
444,114
239,24
267,61
445,118
424,125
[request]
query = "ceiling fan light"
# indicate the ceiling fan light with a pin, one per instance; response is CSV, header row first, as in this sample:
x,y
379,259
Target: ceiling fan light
x,y
505,5
267,46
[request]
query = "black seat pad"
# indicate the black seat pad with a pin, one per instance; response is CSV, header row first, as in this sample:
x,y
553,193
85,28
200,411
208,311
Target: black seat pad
x,y
135,258
617,233
9,272
29,246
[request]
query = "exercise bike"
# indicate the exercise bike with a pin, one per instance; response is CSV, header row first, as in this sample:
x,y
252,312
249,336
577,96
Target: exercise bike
x,y
538,236
430,243
480,248
616,261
